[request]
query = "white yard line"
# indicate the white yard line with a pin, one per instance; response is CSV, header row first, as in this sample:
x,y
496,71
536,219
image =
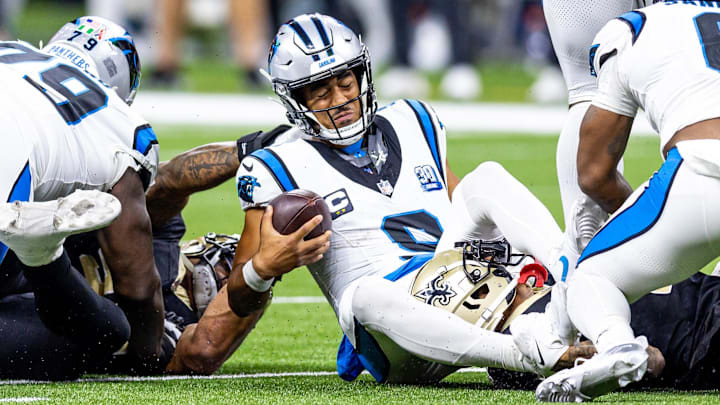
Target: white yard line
x,y
299,300
259,111
23,399
276,300
194,377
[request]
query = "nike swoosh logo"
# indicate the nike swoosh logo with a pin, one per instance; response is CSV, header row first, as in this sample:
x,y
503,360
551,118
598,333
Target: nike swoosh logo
x,y
248,167
542,360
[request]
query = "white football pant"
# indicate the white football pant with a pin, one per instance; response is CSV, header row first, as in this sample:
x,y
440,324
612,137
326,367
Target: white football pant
x,y
422,343
573,25
665,232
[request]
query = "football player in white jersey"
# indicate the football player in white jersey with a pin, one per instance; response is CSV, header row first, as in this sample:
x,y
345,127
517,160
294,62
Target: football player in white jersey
x,y
663,59
384,175
68,126
572,25
204,167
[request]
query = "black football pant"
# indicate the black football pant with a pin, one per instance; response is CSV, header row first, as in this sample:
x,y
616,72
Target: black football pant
x,y
60,330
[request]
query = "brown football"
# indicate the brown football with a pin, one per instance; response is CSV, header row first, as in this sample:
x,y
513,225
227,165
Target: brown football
x,y
294,208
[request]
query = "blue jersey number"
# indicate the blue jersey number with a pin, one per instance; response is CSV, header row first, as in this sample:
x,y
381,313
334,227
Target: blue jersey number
x,y
708,30
416,231
83,96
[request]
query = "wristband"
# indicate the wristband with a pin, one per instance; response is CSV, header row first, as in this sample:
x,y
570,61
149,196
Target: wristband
x,y
253,280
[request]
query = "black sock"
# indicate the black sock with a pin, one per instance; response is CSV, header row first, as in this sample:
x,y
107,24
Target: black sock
x,y
69,307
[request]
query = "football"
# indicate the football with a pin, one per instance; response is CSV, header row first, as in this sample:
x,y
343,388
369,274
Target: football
x,y
294,208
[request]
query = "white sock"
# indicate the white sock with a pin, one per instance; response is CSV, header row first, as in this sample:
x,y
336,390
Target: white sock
x,y
599,310
566,159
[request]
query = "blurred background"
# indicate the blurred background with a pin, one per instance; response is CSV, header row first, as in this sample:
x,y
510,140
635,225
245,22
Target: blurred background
x,y
480,50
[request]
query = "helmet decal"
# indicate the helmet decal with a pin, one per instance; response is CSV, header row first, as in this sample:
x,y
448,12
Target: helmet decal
x,y
108,49
436,291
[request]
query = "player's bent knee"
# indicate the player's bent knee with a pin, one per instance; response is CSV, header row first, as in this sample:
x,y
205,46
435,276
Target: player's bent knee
x,y
486,174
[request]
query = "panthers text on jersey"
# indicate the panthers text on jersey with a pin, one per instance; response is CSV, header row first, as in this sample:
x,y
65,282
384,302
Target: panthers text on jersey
x,y
65,129
630,61
379,220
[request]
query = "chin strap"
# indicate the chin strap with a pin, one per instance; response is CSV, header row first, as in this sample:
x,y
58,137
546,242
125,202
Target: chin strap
x,y
356,130
489,316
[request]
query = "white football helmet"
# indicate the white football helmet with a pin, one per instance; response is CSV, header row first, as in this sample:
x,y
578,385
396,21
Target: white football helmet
x,y
315,47
101,48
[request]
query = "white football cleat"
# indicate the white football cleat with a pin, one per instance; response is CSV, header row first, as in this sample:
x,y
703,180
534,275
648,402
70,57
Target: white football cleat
x,y
534,337
35,231
601,374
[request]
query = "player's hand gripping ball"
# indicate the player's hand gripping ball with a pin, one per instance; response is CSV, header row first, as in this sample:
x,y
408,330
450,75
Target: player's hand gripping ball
x,y
294,208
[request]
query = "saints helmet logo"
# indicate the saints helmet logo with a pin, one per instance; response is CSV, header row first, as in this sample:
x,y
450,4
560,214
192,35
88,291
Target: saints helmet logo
x,y
436,292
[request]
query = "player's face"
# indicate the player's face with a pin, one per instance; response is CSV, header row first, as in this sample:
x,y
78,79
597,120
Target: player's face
x,y
332,92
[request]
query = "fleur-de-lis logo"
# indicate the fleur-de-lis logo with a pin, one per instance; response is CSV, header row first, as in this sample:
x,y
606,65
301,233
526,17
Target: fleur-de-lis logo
x,y
437,291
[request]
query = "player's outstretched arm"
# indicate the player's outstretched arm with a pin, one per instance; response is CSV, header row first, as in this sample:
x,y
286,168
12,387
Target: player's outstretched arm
x,y
230,317
204,346
603,138
197,169
127,247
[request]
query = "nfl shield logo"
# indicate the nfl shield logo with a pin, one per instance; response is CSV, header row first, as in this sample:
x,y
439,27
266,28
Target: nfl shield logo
x,y
385,187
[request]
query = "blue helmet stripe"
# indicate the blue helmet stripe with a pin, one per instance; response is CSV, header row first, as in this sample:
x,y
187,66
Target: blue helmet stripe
x,y
276,166
321,30
301,33
641,215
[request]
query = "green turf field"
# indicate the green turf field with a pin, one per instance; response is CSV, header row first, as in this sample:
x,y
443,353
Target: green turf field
x,y
301,338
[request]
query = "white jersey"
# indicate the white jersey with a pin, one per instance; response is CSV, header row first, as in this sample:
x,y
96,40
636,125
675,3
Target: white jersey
x,y
379,221
64,129
634,67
